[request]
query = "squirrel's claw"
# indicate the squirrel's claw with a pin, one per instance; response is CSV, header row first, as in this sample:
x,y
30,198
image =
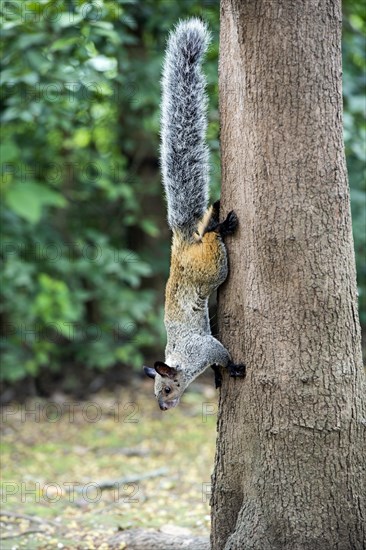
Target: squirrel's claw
x,y
229,225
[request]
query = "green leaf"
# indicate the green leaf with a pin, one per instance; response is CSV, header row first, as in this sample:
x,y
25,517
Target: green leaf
x,y
102,63
8,152
27,199
150,228
65,43
68,19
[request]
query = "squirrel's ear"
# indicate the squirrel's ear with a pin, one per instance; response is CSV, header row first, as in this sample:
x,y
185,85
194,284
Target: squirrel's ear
x,y
150,372
164,370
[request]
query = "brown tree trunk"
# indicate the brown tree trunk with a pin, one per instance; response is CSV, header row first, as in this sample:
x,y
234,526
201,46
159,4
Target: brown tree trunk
x,y
290,460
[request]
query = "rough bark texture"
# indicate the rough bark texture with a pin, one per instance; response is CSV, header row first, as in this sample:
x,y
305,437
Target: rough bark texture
x,y
290,460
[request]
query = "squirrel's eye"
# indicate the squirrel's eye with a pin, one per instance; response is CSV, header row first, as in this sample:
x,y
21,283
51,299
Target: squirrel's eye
x,y
167,390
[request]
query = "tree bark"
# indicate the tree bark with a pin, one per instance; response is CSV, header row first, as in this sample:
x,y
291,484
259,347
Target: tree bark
x,y
290,460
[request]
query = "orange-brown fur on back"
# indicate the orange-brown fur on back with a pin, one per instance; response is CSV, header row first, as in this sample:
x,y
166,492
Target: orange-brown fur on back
x,y
197,268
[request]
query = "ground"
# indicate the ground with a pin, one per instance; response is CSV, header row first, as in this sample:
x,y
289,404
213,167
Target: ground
x,y
84,470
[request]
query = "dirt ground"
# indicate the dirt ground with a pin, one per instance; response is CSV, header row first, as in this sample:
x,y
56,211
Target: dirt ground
x,y
76,473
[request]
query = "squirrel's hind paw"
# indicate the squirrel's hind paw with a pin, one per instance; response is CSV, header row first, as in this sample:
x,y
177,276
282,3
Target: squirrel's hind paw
x,y
229,225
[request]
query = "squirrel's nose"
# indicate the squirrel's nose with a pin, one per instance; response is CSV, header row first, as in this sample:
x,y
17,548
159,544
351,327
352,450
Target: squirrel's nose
x,y
163,406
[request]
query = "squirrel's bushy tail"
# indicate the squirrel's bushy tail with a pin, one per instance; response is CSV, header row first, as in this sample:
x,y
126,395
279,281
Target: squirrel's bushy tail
x,y
184,154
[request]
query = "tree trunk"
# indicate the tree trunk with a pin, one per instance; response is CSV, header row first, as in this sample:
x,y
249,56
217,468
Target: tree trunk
x,y
290,461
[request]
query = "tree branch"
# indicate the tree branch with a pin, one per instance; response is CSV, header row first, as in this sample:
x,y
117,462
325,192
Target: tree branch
x,y
146,539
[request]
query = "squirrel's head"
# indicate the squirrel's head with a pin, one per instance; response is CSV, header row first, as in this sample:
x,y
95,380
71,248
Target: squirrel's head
x,y
169,384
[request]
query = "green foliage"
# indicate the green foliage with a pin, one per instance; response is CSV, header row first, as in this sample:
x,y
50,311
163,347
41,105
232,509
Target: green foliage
x,y
83,207
354,86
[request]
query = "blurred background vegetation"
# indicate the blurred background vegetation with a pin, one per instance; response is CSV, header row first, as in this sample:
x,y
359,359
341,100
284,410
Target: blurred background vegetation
x,y
85,247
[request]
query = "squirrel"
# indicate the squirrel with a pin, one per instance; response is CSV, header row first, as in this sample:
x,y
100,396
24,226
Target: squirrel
x,y
198,256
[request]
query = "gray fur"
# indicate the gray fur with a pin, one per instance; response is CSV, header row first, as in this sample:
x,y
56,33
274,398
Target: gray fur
x,y
192,355
190,348
184,154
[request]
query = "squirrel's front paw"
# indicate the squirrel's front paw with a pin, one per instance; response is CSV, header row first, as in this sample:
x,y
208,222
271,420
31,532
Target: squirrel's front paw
x,y
236,370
